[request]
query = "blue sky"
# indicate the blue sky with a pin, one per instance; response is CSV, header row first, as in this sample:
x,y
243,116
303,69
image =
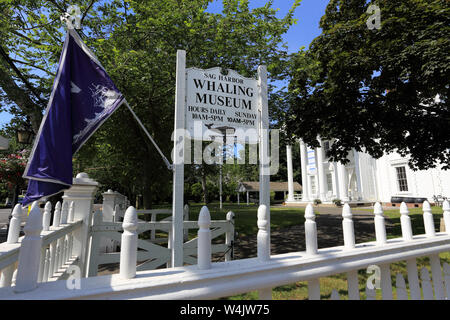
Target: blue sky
x,y
308,15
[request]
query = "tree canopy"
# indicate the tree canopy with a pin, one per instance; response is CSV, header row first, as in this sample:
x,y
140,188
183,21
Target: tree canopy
x,y
375,90
136,42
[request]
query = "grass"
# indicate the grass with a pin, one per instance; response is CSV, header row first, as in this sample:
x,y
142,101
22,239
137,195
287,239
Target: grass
x,y
246,216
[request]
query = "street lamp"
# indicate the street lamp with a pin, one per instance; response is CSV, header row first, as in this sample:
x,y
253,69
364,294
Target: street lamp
x,y
25,134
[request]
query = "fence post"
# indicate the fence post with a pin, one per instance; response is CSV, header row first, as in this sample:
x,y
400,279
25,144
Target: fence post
x,y
30,253
411,264
435,261
405,221
380,228
263,239
229,237
128,248
311,249
94,246
349,243
47,216
446,208
310,231
109,201
71,212
428,220
204,239
82,194
348,227
14,224
64,212
57,215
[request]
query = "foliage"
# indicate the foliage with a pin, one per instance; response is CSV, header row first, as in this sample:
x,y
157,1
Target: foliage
x,y
337,202
136,41
317,202
12,167
375,90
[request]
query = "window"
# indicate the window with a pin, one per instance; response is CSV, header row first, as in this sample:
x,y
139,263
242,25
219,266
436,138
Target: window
x,y
401,179
329,182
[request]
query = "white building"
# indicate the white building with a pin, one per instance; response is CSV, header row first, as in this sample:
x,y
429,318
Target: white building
x,y
365,179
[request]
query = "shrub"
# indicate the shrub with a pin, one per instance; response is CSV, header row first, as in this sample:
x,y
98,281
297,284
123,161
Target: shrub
x,y
337,202
317,202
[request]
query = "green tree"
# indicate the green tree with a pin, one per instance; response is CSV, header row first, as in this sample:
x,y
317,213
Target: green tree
x,y
374,90
136,41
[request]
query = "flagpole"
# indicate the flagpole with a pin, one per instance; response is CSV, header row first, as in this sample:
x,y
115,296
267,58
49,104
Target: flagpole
x,y
168,164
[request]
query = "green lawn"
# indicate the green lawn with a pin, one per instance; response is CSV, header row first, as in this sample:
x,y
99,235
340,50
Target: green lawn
x,y
246,216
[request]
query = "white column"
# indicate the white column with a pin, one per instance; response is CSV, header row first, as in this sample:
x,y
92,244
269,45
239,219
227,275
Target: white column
x,y
82,194
358,174
343,182
321,173
290,174
305,182
178,159
335,181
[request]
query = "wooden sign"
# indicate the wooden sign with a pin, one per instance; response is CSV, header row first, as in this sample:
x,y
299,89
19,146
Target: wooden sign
x,y
219,104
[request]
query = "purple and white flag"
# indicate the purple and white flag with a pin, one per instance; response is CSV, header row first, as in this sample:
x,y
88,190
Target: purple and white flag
x,y
83,97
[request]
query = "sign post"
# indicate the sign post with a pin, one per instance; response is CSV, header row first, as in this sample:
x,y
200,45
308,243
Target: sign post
x,y
209,104
178,162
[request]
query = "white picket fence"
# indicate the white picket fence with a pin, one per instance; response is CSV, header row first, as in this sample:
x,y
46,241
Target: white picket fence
x,y
51,247
208,280
156,251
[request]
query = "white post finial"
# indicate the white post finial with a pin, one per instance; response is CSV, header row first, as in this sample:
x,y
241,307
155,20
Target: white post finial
x,y
128,249
204,239
47,216
446,208
348,227
405,221
310,230
64,212
380,227
57,215
71,211
428,219
30,253
263,244
14,224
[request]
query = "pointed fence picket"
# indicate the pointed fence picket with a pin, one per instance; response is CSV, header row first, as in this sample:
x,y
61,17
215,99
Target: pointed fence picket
x,y
208,280
56,243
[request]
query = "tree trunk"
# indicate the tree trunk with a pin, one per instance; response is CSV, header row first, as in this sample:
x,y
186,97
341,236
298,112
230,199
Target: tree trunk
x,y
204,187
